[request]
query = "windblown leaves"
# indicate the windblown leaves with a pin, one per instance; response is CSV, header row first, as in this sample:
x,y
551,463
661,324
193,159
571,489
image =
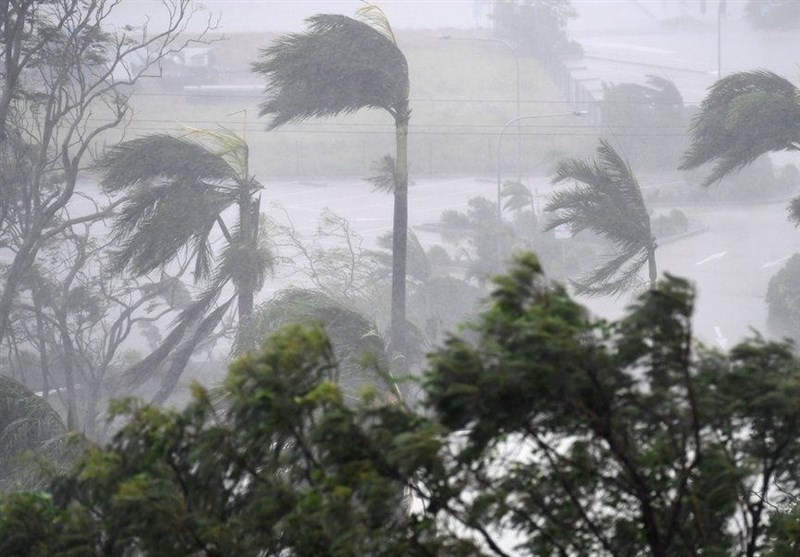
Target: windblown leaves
x,y
607,200
339,66
744,116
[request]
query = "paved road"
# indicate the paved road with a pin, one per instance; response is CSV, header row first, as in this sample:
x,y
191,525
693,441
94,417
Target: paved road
x,y
675,40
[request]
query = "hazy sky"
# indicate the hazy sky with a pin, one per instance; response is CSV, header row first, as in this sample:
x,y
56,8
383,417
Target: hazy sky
x,y
285,15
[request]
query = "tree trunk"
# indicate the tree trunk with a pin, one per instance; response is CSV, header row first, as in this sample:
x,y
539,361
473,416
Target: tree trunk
x,y
248,235
42,345
651,261
400,241
69,372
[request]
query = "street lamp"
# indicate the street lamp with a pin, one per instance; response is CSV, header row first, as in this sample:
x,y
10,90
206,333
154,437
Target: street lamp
x,y
517,121
722,9
515,55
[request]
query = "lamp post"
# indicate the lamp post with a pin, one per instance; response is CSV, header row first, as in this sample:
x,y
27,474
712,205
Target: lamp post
x,y
722,9
517,121
515,55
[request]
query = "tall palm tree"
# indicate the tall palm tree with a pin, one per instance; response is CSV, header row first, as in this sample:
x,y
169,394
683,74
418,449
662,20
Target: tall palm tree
x,y
744,116
607,200
339,66
177,189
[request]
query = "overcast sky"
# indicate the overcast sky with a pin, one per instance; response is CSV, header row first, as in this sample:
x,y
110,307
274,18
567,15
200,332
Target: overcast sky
x,y
288,15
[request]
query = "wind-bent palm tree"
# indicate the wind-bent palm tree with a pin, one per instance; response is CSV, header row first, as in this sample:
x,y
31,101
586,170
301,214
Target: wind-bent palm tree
x,y
177,189
359,348
744,116
27,424
607,200
342,65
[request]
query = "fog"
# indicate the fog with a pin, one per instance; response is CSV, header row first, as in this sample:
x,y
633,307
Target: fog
x,y
493,104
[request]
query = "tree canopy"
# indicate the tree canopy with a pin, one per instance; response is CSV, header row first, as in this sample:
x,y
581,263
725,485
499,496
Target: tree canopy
x,y
545,432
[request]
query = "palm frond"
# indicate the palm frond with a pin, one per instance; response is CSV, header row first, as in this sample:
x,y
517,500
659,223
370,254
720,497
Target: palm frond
x,y
352,335
156,223
242,260
794,211
29,427
517,196
744,116
159,157
339,66
228,145
606,199
418,265
180,356
616,276
663,91
188,320
375,17
383,178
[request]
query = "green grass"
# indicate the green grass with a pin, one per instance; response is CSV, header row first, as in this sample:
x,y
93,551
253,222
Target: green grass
x,y
462,93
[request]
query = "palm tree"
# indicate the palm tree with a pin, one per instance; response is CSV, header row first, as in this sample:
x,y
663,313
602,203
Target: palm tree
x,y
339,66
359,348
607,200
744,116
177,189
30,429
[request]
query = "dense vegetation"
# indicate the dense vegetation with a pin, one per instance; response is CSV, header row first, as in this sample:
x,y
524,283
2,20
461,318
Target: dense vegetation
x,y
547,433
536,430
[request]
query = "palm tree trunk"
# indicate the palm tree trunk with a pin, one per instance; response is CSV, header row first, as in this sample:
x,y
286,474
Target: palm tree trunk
x,y
248,232
400,238
651,261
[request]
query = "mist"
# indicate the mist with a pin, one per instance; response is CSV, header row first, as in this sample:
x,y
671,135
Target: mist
x,y
181,180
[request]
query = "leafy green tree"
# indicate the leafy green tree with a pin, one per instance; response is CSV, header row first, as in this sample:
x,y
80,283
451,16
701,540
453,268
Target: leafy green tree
x,y
639,442
607,200
547,433
339,66
744,116
176,191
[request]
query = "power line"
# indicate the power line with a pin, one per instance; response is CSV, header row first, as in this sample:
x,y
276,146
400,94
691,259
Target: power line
x,y
388,126
232,96
416,133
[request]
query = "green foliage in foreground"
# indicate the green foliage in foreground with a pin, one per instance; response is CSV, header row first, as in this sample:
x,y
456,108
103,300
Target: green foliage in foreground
x,y
570,436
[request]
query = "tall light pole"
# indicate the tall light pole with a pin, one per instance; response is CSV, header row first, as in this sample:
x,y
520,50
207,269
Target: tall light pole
x,y
517,121
721,10
514,55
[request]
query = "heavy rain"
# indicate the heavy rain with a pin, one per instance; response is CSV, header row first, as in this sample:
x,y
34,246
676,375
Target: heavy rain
x,y
465,277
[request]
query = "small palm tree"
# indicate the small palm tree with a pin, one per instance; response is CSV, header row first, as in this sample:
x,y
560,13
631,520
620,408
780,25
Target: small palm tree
x,y
339,66
359,348
177,189
607,200
30,429
744,116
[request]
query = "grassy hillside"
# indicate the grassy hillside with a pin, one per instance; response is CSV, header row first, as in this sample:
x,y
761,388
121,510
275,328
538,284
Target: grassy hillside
x,y
462,93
